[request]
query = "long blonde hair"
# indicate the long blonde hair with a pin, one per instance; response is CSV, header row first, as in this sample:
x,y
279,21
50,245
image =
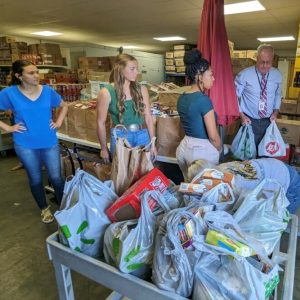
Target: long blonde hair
x,y
117,77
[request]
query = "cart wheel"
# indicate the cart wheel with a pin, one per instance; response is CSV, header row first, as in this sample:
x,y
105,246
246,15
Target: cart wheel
x,y
3,153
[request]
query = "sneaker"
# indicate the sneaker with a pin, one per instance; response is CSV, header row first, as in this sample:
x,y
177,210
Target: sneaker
x,y
46,215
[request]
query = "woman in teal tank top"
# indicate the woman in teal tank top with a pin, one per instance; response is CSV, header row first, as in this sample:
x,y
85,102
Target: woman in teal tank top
x,y
127,102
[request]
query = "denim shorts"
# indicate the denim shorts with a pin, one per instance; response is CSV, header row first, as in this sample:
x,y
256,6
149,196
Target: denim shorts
x,y
135,138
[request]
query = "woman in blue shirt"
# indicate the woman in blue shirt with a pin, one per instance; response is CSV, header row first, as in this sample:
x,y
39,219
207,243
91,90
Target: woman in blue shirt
x,y
34,131
202,140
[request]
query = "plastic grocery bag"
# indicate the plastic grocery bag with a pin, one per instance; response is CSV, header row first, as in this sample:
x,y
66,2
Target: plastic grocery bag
x,y
272,144
223,277
243,145
221,196
225,273
129,245
81,218
173,265
263,213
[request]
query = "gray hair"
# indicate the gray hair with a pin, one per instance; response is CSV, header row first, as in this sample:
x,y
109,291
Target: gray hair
x,y
267,47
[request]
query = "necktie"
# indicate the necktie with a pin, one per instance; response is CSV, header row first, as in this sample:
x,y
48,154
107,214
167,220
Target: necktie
x,y
262,110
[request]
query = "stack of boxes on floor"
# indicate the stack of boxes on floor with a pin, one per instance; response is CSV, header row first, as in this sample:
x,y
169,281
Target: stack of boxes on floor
x,y
174,59
95,68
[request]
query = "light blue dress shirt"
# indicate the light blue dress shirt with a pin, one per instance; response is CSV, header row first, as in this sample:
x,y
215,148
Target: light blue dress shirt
x,y
248,89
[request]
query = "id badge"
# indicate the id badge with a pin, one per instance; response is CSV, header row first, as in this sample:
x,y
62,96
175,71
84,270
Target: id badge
x,y
261,105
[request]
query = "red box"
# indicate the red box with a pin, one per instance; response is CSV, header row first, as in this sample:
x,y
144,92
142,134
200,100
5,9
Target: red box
x,y
287,156
128,206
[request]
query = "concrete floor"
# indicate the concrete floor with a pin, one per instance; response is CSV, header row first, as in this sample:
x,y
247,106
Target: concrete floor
x,y
25,270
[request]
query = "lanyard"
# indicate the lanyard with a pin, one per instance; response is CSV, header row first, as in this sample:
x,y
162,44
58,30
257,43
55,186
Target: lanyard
x,y
262,88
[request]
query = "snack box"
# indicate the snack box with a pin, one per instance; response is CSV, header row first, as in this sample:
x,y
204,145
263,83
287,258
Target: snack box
x,y
128,206
220,240
214,175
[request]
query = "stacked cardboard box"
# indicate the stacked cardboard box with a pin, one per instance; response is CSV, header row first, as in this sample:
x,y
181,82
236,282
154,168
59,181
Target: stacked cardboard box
x,y
95,68
49,53
10,50
174,59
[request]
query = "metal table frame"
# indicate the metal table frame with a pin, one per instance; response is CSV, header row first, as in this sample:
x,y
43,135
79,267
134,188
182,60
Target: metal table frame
x,y
64,260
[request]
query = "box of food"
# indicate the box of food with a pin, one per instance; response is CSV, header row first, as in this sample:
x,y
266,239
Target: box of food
x,y
128,206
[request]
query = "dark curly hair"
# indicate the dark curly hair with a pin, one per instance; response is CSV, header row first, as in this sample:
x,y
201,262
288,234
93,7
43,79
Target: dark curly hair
x,y
194,64
18,68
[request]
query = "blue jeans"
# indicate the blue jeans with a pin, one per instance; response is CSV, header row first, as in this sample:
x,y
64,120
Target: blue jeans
x,y
293,192
33,160
135,138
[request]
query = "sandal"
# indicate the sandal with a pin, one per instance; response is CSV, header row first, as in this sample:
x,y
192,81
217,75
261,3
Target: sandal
x,y
46,215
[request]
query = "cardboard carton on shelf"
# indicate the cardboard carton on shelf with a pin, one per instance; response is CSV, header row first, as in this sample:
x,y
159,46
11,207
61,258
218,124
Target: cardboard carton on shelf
x,y
169,54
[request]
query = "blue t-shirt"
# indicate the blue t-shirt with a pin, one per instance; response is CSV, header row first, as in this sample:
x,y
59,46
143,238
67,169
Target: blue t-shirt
x,y
192,107
35,115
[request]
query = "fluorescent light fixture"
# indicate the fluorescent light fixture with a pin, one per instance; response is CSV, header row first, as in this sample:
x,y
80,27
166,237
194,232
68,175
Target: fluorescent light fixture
x,y
276,39
242,7
47,33
130,47
170,38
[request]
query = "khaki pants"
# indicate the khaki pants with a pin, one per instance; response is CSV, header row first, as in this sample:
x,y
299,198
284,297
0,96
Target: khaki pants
x,y
191,149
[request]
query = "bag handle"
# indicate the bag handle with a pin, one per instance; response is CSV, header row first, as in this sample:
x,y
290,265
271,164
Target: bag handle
x,y
121,126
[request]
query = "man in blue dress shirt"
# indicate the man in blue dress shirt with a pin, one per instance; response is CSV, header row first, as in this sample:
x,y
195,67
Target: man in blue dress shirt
x,y
258,90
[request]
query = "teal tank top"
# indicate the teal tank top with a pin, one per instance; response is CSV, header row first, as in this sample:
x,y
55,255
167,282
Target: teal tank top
x,y
130,116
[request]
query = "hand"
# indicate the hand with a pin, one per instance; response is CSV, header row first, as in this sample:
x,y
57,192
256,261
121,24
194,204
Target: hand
x,y
153,152
245,120
104,154
54,125
17,128
273,116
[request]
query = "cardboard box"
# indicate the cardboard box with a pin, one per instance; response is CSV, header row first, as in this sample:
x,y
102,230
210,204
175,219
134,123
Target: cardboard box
x,y
169,62
179,53
179,62
170,69
49,48
183,47
169,54
288,106
94,63
180,70
290,131
239,54
7,39
128,206
252,54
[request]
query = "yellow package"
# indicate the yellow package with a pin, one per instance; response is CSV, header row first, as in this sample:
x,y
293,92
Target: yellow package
x,y
220,240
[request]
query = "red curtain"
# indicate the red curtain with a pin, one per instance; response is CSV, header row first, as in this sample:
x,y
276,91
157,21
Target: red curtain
x,y
213,44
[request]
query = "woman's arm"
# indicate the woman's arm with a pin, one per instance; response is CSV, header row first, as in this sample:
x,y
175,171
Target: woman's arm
x,y
103,101
212,131
63,112
12,128
149,120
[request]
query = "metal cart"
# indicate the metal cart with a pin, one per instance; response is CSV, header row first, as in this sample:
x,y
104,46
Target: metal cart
x,y
64,260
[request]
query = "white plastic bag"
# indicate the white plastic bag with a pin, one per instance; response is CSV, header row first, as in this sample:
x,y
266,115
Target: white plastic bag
x,y
221,196
81,218
222,273
221,277
129,245
173,266
272,144
262,213
243,145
